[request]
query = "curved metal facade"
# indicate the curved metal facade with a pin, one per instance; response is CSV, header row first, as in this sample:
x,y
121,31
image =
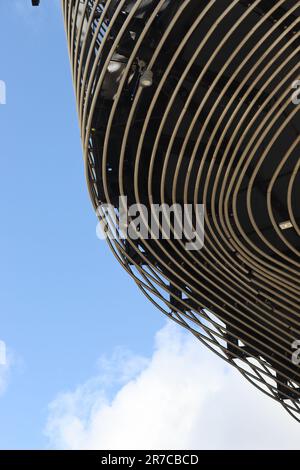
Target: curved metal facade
x,y
219,125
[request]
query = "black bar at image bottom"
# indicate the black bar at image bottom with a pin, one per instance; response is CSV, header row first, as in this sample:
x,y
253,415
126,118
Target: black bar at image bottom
x,y
141,458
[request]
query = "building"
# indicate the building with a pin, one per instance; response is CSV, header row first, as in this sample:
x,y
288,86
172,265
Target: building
x,y
194,102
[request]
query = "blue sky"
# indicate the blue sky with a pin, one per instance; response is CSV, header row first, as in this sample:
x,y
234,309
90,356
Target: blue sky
x,y
91,362
63,300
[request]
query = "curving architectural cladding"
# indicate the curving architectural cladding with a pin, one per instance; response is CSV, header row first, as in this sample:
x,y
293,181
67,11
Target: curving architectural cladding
x,y
195,101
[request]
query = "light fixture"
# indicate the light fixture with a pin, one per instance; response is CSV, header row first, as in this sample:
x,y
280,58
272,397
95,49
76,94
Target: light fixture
x,y
146,79
114,66
286,225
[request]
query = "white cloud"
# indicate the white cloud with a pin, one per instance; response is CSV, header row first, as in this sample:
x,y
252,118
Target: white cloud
x,y
183,397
